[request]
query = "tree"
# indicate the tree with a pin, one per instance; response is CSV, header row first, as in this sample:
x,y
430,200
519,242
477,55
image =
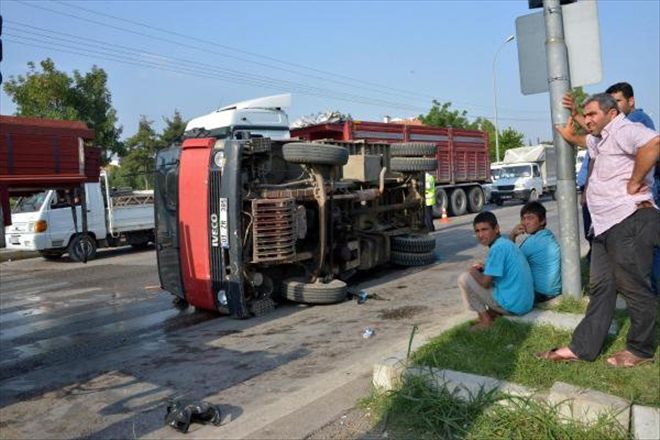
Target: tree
x,y
53,94
441,116
509,138
137,166
173,130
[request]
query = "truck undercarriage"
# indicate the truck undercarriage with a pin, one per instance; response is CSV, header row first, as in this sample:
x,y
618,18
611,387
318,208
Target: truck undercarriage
x,y
243,222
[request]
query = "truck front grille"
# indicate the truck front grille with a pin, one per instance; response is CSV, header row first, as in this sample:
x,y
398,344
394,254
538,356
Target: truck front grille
x,y
273,228
505,188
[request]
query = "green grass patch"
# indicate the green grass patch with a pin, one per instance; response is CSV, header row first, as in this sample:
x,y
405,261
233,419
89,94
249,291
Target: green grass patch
x,y
506,351
566,304
415,411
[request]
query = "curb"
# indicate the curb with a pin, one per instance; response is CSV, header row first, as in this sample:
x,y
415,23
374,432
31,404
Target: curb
x,y
7,255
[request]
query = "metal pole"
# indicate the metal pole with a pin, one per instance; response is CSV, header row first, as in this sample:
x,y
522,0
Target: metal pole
x,y
497,134
559,84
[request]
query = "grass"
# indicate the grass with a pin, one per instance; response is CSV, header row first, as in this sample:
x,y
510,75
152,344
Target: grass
x,y
506,351
416,412
566,304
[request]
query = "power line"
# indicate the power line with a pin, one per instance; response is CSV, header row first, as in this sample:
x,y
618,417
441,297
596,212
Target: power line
x,y
180,65
373,87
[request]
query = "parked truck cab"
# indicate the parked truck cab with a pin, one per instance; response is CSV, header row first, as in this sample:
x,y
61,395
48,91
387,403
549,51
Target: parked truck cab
x,y
50,221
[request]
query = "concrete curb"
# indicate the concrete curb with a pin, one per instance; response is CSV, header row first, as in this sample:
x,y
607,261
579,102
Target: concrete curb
x,y
563,321
7,255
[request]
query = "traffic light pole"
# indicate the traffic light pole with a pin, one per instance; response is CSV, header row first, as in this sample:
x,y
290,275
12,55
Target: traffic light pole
x,y
559,84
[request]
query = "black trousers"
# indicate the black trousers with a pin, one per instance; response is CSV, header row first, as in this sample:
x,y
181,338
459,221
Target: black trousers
x,y
428,218
622,260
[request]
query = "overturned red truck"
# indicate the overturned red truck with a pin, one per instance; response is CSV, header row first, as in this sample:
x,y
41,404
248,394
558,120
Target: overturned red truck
x,y
245,214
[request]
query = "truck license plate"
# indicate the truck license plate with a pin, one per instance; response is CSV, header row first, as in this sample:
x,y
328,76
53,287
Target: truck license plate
x,y
224,224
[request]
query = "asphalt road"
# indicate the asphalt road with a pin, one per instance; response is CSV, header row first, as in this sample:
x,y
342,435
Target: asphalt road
x,y
96,350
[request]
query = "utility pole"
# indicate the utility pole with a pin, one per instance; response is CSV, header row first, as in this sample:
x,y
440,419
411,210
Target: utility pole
x,y
559,84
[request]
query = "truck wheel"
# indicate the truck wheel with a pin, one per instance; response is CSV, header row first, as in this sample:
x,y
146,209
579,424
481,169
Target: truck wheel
x,y
82,248
315,293
52,255
533,196
413,164
412,258
475,199
441,202
457,202
413,149
413,243
318,154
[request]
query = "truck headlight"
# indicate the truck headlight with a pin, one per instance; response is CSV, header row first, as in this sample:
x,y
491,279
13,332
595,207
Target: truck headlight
x,y
519,186
38,226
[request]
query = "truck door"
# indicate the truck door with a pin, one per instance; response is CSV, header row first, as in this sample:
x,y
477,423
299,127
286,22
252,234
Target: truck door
x,y
166,202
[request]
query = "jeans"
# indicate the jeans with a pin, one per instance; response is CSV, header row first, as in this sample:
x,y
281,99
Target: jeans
x,y
621,260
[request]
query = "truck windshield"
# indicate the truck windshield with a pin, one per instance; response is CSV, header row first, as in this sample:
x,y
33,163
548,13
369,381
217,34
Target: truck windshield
x,y
517,171
30,203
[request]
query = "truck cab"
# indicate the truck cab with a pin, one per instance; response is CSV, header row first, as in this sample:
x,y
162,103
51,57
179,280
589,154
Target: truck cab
x,y
520,181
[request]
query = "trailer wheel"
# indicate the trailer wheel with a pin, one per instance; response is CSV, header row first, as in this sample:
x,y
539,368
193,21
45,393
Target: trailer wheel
x,y
476,199
441,202
315,293
457,202
318,154
413,149
413,243
82,248
52,255
411,259
413,164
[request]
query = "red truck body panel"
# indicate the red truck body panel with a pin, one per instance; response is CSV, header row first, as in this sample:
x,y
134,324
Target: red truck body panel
x,y
462,154
194,246
37,154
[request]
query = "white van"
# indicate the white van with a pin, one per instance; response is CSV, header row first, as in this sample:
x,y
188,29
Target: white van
x,y
44,221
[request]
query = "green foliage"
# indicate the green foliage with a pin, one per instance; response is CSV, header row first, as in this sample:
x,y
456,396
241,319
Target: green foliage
x,y
506,351
441,115
53,94
420,412
137,165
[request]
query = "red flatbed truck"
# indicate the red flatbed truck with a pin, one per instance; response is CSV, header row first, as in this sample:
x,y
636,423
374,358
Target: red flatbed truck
x,y
462,155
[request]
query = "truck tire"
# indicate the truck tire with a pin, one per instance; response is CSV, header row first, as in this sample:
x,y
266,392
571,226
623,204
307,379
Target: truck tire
x,y
413,164
317,154
413,149
411,259
82,248
441,202
475,199
413,243
457,202
52,255
315,293
533,196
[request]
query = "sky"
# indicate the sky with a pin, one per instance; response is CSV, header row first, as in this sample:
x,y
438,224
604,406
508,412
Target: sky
x,y
367,59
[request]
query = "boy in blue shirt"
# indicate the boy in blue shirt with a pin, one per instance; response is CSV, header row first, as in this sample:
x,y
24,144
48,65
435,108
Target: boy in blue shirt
x,y
504,284
541,250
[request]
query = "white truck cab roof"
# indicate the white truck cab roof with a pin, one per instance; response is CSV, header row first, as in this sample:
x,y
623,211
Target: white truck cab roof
x,y
261,116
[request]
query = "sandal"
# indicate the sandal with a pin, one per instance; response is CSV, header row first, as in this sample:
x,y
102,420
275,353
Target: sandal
x,y
553,356
626,359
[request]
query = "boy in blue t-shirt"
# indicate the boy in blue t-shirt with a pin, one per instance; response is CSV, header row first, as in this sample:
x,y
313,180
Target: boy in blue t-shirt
x,y
504,284
541,250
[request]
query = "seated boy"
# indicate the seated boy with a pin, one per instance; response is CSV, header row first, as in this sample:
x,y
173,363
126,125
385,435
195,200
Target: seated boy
x,y
541,250
504,284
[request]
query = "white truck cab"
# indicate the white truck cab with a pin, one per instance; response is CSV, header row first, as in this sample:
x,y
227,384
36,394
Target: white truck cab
x,y
45,222
261,117
526,174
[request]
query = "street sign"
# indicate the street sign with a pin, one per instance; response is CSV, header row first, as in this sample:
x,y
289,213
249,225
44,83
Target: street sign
x,y
582,35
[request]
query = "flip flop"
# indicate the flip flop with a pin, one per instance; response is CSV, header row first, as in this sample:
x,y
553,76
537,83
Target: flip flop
x,y
551,355
626,359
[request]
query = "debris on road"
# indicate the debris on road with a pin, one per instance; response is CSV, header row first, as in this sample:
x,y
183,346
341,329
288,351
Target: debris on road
x,y
181,414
